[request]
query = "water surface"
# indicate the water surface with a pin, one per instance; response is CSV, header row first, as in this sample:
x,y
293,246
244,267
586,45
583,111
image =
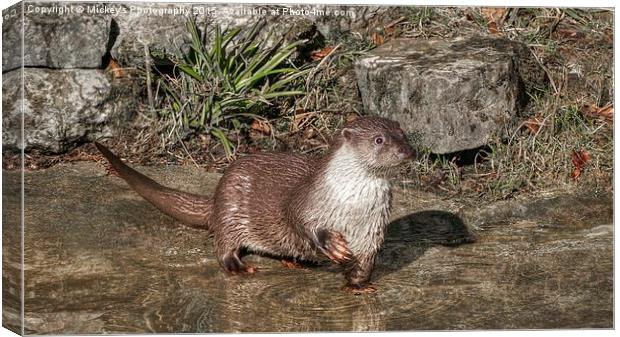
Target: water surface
x,y
99,259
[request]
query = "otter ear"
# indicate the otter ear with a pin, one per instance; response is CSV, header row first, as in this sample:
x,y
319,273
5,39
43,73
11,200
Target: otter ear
x,y
347,133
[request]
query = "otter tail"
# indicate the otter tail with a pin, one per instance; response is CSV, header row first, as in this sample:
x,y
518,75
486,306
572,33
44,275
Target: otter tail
x,y
191,209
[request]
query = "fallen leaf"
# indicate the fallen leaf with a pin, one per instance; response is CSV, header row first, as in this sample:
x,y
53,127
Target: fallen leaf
x,y
320,54
260,126
377,38
381,35
495,14
592,111
607,112
579,160
115,69
495,17
533,124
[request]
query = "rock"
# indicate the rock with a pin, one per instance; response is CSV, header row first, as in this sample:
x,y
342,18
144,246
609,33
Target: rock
x,y
455,94
163,26
137,26
165,32
68,38
352,19
54,41
61,108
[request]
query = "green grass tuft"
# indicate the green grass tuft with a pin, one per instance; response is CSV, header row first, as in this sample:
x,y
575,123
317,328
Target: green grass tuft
x,y
219,87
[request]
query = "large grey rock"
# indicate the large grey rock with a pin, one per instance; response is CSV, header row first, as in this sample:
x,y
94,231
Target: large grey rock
x,y
337,20
455,94
53,40
78,35
158,27
138,26
61,108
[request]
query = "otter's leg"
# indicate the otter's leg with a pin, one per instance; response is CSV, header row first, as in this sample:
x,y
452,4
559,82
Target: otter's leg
x,y
358,272
231,262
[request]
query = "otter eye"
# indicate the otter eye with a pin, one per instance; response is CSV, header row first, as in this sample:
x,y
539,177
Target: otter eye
x,y
379,140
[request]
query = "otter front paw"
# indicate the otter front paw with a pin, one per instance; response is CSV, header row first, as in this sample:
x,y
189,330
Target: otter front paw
x,y
291,264
334,246
358,289
234,266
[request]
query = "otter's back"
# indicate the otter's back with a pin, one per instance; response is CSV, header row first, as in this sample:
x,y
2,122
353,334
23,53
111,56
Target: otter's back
x,y
266,173
251,197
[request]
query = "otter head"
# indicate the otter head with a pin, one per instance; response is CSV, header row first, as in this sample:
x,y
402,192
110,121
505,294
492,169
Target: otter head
x,y
380,143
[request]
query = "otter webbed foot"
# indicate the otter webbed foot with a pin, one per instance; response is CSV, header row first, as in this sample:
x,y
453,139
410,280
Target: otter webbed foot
x,y
334,246
358,289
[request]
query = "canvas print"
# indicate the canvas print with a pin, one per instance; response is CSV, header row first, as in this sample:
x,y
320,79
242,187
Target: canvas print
x,y
226,167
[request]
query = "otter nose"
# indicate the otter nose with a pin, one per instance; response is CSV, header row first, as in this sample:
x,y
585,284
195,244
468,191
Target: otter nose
x,y
406,152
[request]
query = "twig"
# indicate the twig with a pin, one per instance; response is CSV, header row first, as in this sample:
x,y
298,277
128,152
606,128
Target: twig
x,y
147,65
556,22
393,23
546,71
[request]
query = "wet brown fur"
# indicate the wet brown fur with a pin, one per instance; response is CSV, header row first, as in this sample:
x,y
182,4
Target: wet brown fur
x,y
270,202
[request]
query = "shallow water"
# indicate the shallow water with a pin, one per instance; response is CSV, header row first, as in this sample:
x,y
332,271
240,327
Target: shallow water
x,y
99,259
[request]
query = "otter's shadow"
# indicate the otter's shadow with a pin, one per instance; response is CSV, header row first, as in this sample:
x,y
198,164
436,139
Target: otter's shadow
x,y
409,237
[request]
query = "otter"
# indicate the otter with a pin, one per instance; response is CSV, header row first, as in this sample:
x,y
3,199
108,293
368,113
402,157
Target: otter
x,y
296,207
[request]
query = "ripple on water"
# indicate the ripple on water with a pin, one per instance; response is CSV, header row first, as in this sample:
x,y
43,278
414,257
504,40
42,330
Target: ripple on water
x,y
413,304
278,300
